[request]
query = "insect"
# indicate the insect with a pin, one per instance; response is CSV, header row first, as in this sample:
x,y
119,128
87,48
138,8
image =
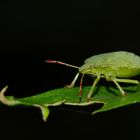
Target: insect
x,y
114,66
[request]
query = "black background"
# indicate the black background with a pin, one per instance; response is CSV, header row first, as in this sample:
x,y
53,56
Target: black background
x,y
70,31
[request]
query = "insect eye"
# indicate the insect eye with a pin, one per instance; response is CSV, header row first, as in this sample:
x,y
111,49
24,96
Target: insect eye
x,y
91,67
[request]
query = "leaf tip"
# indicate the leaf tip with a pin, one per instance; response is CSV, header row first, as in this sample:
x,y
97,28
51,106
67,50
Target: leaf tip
x,y
10,100
2,97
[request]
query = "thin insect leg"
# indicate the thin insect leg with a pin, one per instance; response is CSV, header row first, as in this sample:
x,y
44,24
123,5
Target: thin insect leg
x,y
93,86
73,82
119,87
127,81
61,63
81,83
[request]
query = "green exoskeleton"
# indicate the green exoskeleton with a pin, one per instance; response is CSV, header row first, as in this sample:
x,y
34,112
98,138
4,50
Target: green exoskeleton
x,y
114,66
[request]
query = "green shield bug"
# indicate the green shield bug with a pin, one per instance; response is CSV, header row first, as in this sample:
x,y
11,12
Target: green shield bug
x,y
114,66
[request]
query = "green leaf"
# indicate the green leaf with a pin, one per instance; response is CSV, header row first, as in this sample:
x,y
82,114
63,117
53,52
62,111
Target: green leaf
x,y
108,96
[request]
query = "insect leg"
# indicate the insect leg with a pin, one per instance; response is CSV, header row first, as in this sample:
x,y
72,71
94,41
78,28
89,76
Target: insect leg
x,y
127,81
73,82
119,87
93,86
81,83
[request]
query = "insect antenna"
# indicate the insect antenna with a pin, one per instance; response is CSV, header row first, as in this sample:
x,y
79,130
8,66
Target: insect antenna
x,y
61,63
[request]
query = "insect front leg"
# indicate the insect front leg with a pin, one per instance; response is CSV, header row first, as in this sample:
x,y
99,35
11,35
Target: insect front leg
x,y
73,82
93,86
80,91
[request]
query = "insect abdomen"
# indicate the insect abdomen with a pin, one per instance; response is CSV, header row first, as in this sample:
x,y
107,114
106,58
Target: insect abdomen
x,y
121,72
126,73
